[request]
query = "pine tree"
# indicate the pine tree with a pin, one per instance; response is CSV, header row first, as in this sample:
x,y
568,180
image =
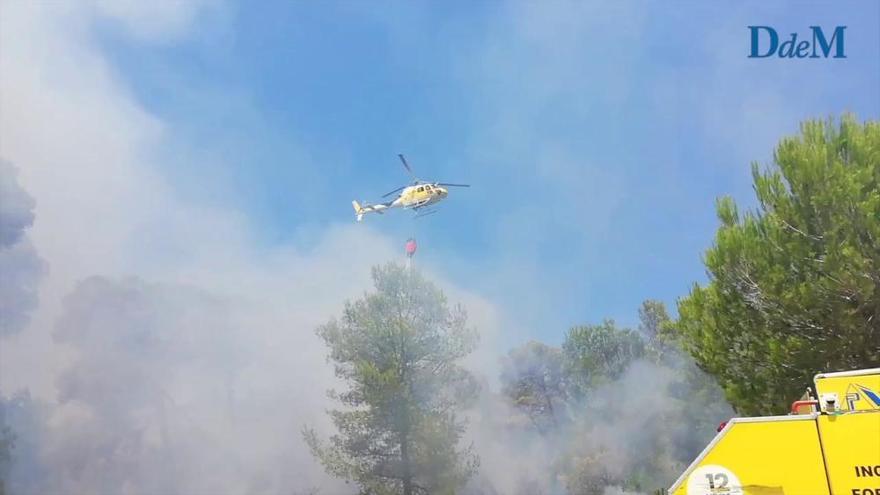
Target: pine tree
x,y
397,350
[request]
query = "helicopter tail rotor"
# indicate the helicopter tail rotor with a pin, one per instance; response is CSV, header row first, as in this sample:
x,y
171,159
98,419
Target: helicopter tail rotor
x,y
358,210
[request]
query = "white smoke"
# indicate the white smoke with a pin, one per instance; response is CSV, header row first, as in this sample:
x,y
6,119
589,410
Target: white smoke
x,y
642,428
169,351
20,266
204,390
165,350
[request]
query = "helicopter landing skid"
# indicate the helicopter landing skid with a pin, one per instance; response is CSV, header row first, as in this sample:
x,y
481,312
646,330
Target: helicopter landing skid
x,y
421,214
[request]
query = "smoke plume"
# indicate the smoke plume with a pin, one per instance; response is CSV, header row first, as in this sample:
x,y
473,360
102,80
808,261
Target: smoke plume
x,y
149,344
20,265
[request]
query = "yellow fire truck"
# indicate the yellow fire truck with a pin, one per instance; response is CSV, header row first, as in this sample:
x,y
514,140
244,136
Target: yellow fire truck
x,y
828,445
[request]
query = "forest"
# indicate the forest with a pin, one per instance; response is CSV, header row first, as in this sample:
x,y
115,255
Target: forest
x,y
792,289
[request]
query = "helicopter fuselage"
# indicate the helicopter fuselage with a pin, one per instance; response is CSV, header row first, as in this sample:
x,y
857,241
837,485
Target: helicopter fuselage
x,y
419,195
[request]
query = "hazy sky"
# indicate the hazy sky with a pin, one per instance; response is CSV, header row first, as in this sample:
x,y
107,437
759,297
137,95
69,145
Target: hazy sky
x,y
596,137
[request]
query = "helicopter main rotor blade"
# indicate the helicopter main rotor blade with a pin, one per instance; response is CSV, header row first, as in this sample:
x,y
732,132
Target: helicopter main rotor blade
x,y
401,188
452,185
406,166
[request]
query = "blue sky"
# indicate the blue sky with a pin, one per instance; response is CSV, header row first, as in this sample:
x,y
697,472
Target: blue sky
x,y
596,137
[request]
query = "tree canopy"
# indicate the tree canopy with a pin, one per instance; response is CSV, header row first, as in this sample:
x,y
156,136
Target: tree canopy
x,y
795,284
608,382
597,354
534,379
397,351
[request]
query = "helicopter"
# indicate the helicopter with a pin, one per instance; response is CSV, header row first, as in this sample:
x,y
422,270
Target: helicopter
x,y
416,196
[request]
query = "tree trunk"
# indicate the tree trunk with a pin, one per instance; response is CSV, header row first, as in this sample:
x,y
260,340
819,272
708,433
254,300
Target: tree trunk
x,y
404,458
549,402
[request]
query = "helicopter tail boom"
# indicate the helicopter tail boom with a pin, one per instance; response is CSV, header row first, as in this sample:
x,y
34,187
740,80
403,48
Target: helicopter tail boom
x,y
361,210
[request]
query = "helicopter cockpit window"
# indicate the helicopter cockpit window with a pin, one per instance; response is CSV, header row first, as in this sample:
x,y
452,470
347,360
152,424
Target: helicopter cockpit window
x,y
421,189
427,188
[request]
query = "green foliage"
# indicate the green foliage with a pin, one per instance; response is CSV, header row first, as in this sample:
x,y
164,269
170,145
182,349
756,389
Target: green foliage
x,y
794,286
629,409
597,354
544,382
588,475
653,319
656,327
533,378
551,386
397,350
